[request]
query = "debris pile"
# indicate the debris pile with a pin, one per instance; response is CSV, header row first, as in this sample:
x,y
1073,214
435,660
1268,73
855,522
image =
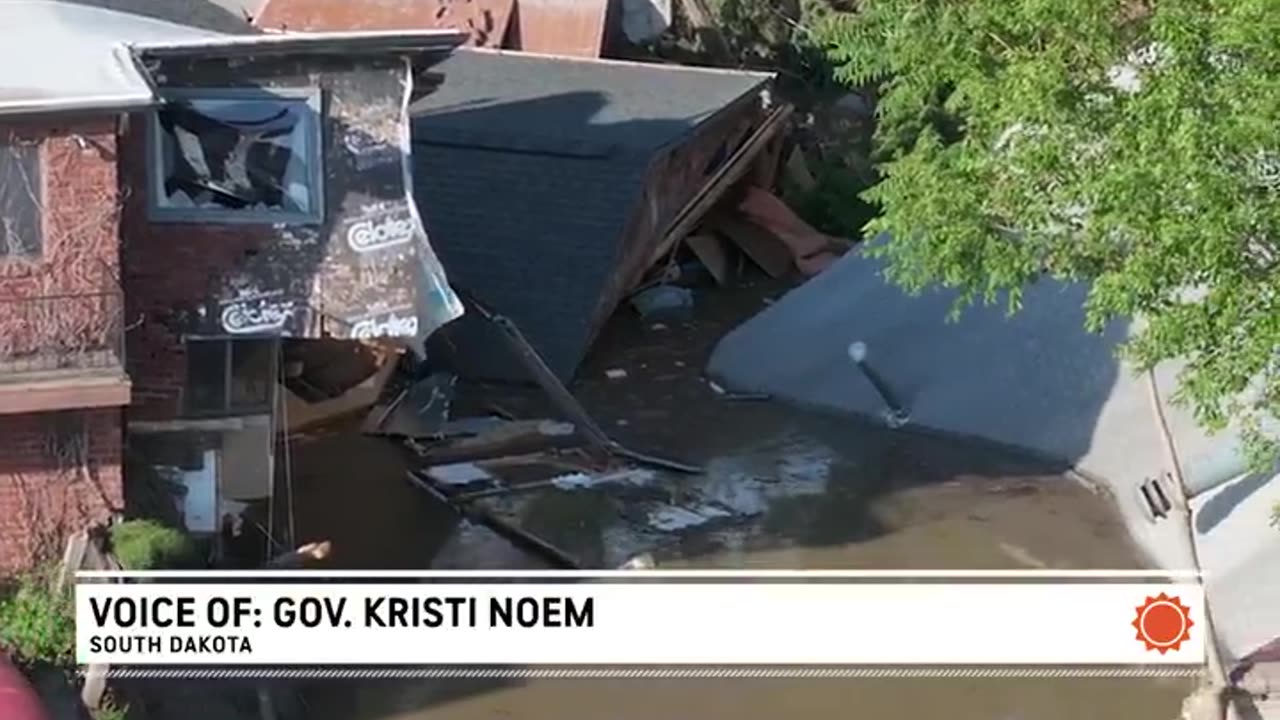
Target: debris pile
x,y
465,459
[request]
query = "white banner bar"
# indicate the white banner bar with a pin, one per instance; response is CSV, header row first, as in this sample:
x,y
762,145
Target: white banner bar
x,y
585,624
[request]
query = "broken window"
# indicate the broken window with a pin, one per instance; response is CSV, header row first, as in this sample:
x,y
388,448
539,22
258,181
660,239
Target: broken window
x,y
238,156
230,377
20,200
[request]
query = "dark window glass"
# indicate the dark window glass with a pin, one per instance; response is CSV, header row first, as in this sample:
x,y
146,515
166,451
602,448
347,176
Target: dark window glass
x,y
206,390
251,373
230,377
238,154
20,200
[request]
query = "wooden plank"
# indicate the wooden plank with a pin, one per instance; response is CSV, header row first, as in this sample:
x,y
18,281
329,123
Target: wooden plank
x,y
763,247
72,559
733,170
519,437
308,555
712,254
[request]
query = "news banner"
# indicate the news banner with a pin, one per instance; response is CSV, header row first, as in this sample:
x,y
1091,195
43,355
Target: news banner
x,y
1121,622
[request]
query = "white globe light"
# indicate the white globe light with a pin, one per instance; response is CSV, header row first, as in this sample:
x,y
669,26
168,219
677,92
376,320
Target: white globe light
x,y
858,351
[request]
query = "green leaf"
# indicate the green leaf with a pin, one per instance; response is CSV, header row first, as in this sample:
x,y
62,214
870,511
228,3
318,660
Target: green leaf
x,y
1134,147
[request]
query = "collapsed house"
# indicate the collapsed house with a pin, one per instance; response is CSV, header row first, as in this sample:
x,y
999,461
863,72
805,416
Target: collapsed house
x,y
277,165
549,185
208,196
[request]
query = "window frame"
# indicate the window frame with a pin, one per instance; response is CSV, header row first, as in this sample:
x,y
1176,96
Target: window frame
x,y
42,191
312,96
228,408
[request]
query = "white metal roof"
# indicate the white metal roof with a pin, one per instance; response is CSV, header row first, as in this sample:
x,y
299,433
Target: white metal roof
x,y
60,56
64,56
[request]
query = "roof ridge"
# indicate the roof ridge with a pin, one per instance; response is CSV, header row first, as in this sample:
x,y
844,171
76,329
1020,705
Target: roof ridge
x,y
639,64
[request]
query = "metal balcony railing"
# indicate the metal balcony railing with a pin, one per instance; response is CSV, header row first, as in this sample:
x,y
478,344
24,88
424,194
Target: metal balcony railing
x,y
61,334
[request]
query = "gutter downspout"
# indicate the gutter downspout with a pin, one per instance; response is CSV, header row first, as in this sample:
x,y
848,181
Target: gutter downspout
x,y
1217,680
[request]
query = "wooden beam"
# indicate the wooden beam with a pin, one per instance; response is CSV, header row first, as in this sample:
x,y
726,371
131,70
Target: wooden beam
x,y
763,247
733,170
519,437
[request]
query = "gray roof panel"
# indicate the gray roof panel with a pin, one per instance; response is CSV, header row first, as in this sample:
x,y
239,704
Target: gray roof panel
x,y
529,168
553,101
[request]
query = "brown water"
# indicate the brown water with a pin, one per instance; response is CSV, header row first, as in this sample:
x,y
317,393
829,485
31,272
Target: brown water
x,y
883,501
804,491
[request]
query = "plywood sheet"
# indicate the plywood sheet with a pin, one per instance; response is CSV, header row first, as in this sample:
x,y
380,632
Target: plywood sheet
x,y
560,27
485,21
711,253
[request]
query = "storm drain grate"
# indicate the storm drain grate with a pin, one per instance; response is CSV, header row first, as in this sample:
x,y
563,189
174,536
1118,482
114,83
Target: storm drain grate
x,y
1155,496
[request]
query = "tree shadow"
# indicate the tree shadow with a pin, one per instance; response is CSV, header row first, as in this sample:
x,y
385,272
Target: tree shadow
x,y
1218,507
529,187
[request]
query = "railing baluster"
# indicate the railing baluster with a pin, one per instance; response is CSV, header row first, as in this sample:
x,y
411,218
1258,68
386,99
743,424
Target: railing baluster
x,y
61,333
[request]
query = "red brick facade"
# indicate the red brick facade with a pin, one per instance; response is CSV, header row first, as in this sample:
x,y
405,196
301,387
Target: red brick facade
x,y
60,468
81,233
59,472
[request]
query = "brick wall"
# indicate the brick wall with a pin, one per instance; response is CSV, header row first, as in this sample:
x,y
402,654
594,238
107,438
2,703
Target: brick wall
x,y
81,222
170,271
63,299
59,473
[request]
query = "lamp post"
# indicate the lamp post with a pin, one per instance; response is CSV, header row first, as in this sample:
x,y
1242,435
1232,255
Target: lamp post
x,y
896,414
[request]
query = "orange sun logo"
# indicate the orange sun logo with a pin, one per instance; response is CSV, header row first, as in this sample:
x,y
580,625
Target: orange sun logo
x,y
1163,623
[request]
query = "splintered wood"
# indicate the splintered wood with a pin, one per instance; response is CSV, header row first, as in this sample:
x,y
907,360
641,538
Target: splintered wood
x,y
734,169
511,438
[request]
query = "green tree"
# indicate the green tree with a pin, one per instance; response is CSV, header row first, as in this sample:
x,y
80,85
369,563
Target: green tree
x,y
1131,145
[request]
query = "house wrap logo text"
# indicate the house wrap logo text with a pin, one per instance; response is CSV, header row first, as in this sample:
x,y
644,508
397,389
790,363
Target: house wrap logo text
x,y
243,318
375,233
392,325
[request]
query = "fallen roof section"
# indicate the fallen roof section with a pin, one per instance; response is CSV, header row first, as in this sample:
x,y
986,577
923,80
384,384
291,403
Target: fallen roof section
x,y
1036,381
529,170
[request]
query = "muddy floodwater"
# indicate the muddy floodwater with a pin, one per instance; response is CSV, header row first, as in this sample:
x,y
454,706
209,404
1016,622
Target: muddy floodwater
x,y
803,500
782,488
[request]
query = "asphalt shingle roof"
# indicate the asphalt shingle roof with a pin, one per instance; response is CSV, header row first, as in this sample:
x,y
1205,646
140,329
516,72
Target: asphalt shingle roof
x,y
528,169
591,105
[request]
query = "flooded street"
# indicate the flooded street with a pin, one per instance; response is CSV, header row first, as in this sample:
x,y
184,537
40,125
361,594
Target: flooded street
x,y
783,488
888,503
958,699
